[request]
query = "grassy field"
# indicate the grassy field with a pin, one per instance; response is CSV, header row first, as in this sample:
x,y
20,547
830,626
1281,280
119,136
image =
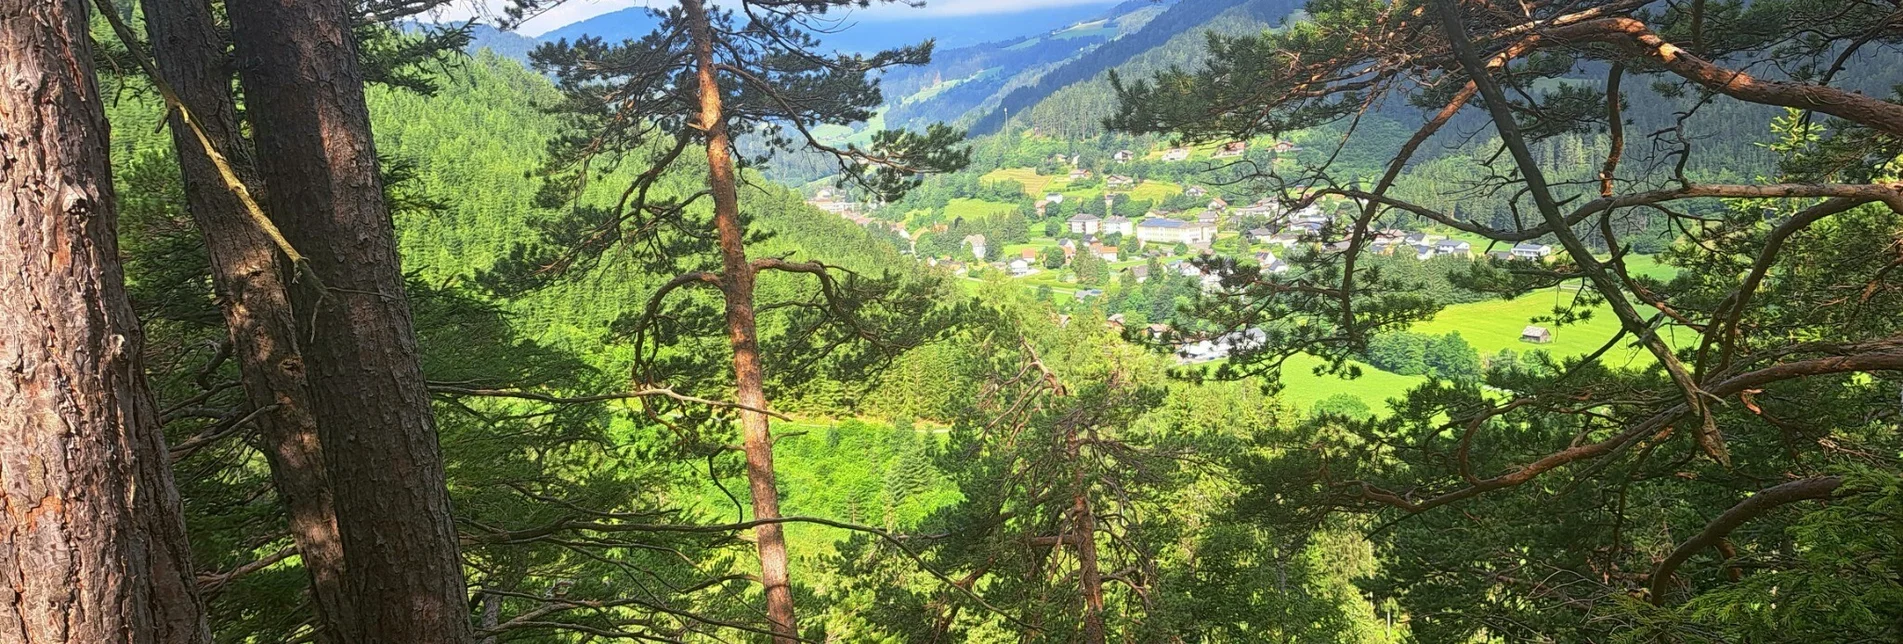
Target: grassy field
x,y
1086,30
1034,183
1154,190
1302,388
1649,266
1496,324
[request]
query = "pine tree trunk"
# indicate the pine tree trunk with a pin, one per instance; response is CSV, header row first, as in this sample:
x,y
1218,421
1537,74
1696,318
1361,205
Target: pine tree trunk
x,y
1084,539
92,540
304,97
250,279
736,286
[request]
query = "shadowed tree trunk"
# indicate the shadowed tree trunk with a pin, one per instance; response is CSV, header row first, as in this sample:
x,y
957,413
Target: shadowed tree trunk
x,y
304,97
1084,538
250,278
92,541
736,286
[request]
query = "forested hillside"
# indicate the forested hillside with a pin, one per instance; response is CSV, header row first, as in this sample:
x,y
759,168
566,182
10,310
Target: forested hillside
x,y
474,146
1226,321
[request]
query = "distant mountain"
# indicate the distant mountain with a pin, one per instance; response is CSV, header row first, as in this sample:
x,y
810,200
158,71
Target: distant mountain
x,y
962,84
867,32
1174,37
507,44
1055,82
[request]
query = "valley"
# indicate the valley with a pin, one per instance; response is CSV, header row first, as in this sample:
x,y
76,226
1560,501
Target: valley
x,y
1057,321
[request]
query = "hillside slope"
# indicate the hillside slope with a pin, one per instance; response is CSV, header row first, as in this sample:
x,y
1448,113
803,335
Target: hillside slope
x,y
475,146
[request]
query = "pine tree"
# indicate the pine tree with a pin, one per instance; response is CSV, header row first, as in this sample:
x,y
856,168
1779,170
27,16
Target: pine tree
x,y
1598,454
304,95
705,74
95,547
249,270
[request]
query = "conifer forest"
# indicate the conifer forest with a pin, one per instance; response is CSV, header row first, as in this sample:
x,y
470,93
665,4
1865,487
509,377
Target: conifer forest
x,y
887,321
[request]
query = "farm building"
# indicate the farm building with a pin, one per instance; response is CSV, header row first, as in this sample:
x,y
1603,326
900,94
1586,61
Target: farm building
x,y
1536,334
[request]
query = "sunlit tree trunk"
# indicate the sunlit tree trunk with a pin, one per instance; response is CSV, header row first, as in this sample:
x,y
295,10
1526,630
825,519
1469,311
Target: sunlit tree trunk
x,y
304,96
92,540
736,286
250,278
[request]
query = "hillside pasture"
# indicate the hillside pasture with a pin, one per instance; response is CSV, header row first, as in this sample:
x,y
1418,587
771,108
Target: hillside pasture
x,y
976,209
1493,325
1302,388
1034,183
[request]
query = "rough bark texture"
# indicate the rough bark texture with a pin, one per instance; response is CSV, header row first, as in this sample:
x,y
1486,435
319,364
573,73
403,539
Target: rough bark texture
x,y
1084,539
304,96
92,541
249,276
736,286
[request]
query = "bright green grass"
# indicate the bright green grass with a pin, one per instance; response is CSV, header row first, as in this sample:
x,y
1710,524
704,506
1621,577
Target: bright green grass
x,y
1034,183
1153,190
1496,324
1649,266
1301,388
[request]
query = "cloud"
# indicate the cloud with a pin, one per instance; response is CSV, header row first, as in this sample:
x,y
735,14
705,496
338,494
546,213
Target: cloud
x,y
574,11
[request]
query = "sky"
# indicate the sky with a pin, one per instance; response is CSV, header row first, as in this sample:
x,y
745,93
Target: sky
x,y
578,10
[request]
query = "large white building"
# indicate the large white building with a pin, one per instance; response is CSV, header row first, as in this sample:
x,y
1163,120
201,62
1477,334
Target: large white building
x,y
1119,225
1084,224
1158,230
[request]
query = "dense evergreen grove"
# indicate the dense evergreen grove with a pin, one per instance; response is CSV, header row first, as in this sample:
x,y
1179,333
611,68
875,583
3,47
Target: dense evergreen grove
x,y
450,348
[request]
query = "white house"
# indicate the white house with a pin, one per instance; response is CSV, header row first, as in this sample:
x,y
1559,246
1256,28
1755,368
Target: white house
x,y
1176,154
1118,181
977,244
1085,224
1123,156
1231,149
1119,225
1158,230
1453,247
1053,197
1530,250
1079,174
1195,191
1210,217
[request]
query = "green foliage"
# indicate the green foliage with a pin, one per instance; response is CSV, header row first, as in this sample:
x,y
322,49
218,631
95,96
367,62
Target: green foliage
x,y
1091,269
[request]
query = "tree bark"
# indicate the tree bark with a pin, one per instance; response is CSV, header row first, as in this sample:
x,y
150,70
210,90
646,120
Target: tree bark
x,y
304,96
1632,38
1084,530
736,286
92,539
250,279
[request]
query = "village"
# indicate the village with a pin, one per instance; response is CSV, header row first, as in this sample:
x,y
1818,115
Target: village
x,y
1082,241
1263,231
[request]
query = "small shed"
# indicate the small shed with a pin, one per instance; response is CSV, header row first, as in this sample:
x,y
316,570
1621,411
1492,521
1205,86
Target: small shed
x,y
1536,334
